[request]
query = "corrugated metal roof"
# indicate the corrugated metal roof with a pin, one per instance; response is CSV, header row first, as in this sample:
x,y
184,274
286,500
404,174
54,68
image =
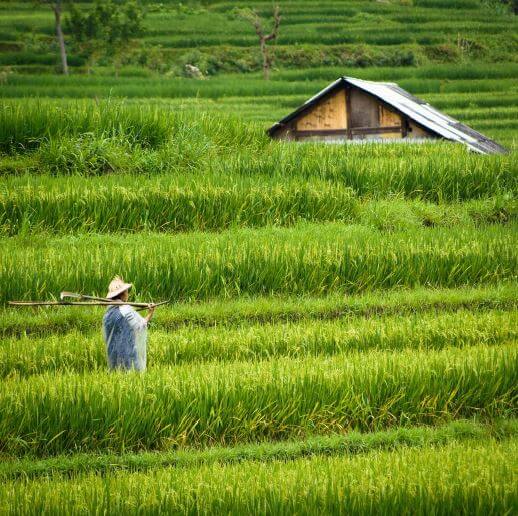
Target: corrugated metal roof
x,y
414,108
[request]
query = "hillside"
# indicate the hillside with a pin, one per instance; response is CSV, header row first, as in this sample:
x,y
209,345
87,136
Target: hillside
x,y
353,33
447,52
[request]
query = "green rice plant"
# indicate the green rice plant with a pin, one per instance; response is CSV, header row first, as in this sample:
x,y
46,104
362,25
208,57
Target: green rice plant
x,y
303,82
458,478
86,138
436,71
306,259
86,154
378,171
214,202
244,310
432,172
79,351
244,401
79,87
351,443
355,34
168,203
27,125
448,4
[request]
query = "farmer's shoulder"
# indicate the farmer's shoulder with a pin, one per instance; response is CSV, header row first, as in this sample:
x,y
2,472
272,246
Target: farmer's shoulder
x,y
112,314
130,314
126,310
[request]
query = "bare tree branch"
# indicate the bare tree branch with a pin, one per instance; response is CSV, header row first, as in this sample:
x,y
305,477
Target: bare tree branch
x,y
252,16
276,23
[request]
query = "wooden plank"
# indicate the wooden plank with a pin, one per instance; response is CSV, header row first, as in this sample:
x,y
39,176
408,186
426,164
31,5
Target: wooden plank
x,y
417,131
388,117
329,113
346,132
364,109
321,132
404,130
376,130
348,112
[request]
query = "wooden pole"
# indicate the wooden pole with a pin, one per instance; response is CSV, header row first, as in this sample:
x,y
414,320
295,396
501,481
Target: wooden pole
x,y
83,303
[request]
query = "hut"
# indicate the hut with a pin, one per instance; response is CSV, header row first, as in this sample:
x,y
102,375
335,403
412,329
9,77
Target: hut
x,y
352,110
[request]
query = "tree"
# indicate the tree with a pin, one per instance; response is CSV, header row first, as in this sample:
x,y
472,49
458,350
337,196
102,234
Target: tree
x,y
108,28
57,8
513,4
510,6
254,18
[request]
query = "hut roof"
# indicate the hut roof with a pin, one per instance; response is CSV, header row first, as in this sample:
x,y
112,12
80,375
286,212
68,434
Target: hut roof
x,y
414,108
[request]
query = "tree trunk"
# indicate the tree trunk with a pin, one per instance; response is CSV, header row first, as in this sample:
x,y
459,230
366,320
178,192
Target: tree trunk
x,y
59,34
266,61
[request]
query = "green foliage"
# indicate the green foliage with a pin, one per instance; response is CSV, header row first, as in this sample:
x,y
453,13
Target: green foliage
x,y
354,34
107,28
305,259
78,351
316,289
246,310
204,404
209,202
109,22
100,138
350,444
458,478
502,6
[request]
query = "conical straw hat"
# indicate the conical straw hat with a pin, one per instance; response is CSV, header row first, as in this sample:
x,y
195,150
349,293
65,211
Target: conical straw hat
x,y
116,287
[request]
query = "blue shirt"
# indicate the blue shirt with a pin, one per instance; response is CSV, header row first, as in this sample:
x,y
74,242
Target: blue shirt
x,y
125,335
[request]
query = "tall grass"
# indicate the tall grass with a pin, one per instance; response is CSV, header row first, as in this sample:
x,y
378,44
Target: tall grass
x,y
244,310
459,478
84,86
349,444
213,202
227,403
450,72
430,172
410,323
79,351
25,126
434,172
89,139
171,204
309,259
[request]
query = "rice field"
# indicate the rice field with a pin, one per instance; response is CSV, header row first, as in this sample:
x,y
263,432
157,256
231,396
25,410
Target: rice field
x,y
364,484
227,403
341,333
312,259
76,351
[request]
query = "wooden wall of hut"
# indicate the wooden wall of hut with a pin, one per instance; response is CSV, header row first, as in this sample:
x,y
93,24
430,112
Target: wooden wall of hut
x,y
350,114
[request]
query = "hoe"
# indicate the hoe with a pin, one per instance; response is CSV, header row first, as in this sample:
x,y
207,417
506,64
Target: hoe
x,y
91,301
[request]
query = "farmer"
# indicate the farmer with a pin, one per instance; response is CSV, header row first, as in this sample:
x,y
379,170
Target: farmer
x,y
124,330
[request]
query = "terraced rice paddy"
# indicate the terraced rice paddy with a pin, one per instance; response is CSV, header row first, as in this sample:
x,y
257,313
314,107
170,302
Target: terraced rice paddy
x,y
342,332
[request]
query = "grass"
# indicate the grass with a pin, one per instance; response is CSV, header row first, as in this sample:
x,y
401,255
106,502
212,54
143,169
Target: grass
x,y
117,138
305,259
82,352
26,126
45,321
128,203
341,337
352,34
459,478
246,401
303,85
349,444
